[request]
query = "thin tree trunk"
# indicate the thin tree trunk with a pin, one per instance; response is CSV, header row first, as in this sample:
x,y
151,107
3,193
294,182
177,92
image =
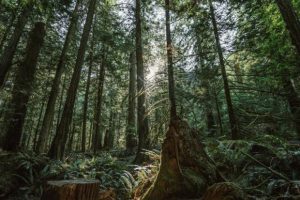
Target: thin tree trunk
x,y
232,118
49,114
23,87
291,20
218,113
143,127
131,118
9,51
35,139
293,101
58,145
97,139
173,114
86,100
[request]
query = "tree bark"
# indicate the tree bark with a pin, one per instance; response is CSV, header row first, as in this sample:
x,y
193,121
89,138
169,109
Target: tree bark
x,y
49,113
231,114
86,101
131,118
291,20
9,51
173,114
23,87
143,126
58,145
97,139
185,169
71,190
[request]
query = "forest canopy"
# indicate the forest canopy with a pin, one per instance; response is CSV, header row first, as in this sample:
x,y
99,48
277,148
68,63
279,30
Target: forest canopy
x,y
162,99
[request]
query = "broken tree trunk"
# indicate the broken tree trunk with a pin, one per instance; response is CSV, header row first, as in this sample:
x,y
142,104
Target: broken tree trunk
x,y
185,169
71,190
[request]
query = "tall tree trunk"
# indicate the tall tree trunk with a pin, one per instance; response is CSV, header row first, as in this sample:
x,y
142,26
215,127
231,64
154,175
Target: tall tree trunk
x,y
9,51
97,139
173,114
143,127
23,87
293,101
35,139
49,114
110,133
291,20
58,145
86,99
131,119
231,114
218,113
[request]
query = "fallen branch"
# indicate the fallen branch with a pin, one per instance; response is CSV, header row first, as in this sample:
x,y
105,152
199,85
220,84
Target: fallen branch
x,y
268,168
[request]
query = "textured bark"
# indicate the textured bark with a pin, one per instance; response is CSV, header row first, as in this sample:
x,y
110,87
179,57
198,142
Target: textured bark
x,y
23,88
58,145
110,133
71,190
143,126
171,83
9,51
185,169
49,113
97,139
231,114
86,101
291,20
131,118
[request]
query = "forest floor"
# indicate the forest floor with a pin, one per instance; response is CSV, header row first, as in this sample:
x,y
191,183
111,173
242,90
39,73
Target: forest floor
x,y
262,170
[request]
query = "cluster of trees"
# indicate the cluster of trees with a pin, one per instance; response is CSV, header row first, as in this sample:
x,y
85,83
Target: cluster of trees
x,y
73,74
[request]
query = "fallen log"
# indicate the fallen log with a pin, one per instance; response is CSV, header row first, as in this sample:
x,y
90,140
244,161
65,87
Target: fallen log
x,y
71,190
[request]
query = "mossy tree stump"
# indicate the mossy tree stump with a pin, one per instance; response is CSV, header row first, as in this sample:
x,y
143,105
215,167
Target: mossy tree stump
x,y
71,190
185,169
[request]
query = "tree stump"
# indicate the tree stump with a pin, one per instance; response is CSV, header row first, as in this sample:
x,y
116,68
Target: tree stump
x,y
185,169
71,190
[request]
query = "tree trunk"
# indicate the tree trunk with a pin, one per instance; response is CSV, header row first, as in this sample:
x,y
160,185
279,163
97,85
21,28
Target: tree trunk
x,y
97,139
143,126
185,169
218,113
58,145
291,20
35,139
71,190
110,133
173,114
86,99
49,113
131,119
23,87
293,101
9,51
231,114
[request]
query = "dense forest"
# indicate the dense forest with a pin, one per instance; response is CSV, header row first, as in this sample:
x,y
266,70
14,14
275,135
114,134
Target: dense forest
x,y
149,100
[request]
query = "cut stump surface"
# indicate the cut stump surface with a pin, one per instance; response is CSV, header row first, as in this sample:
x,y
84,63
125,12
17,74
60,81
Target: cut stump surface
x,y
71,190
